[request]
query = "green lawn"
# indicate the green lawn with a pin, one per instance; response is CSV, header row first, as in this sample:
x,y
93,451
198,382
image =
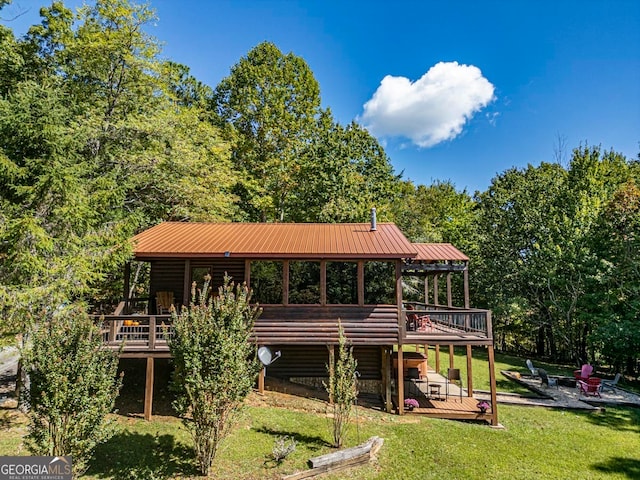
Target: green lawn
x,y
537,443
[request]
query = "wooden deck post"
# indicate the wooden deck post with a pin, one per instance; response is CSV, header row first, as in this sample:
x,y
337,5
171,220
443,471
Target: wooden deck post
x,y
437,358
426,290
152,333
469,372
449,293
436,294
127,280
332,363
451,356
261,380
386,378
400,381
492,381
465,273
186,283
148,389
426,355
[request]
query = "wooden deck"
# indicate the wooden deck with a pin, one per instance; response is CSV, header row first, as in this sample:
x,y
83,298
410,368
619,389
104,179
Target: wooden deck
x,y
435,403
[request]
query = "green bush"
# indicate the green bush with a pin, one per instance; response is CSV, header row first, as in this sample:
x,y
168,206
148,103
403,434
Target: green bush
x,y
73,386
342,388
215,364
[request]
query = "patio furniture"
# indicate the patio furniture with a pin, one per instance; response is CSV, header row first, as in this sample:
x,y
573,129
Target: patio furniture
x,y
610,385
590,388
534,371
584,373
434,391
164,302
453,375
546,379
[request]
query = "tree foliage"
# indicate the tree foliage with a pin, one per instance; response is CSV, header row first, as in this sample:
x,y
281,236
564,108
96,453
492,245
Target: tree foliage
x,y
98,138
298,163
215,364
538,259
73,386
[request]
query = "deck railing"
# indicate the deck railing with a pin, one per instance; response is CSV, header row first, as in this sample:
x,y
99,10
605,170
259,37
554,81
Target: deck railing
x,y
426,320
137,332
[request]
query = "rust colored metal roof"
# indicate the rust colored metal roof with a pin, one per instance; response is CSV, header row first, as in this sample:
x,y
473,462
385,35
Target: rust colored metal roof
x,y
273,240
431,252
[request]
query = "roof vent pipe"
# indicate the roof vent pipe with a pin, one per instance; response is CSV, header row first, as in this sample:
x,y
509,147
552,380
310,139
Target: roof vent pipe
x,y
374,222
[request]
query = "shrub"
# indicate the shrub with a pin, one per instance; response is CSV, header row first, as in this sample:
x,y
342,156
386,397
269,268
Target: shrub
x,y
215,364
73,386
342,388
282,448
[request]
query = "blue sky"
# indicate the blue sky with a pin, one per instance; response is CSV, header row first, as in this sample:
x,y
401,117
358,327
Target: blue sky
x,y
470,88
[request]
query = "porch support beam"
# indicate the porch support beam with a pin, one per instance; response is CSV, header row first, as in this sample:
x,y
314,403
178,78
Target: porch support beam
x,y
437,358
285,282
386,378
426,290
148,389
465,274
261,380
400,381
127,281
186,295
492,381
332,363
451,356
469,372
436,300
361,283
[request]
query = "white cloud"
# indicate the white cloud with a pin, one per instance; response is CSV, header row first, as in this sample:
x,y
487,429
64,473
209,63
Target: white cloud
x,y
430,110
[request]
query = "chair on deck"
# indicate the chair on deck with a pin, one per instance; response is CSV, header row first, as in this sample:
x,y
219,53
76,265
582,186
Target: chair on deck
x,y
534,371
453,374
584,373
545,379
164,302
422,322
610,385
590,388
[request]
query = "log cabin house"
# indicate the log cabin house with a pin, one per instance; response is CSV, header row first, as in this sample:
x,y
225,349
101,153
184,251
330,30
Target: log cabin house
x,y
306,277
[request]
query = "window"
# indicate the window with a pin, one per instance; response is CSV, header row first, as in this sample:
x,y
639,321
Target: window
x,y
266,282
342,283
379,283
304,282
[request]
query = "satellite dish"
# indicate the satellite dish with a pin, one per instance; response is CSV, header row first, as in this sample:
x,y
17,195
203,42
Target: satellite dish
x,y
266,357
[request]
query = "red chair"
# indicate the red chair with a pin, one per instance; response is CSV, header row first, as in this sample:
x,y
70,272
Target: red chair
x,y
423,322
590,388
584,373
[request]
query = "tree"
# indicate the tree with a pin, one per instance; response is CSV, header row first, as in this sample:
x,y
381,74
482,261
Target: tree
x,y
536,228
615,285
271,101
215,364
73,386
345,173
98,139
342,387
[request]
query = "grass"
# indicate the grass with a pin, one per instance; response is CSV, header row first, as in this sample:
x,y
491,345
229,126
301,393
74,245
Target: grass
x,y
537,443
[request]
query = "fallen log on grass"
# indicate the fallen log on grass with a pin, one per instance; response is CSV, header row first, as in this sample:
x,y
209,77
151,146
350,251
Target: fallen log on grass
x,y
331,462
